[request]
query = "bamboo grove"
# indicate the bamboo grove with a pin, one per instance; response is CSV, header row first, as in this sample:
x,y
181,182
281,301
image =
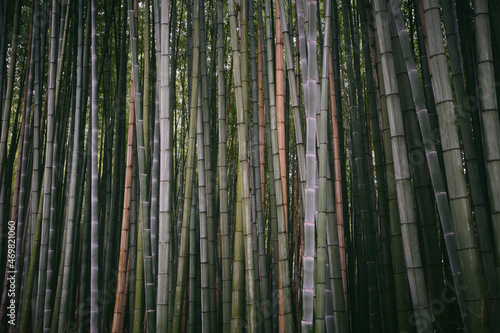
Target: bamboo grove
x,y
249,166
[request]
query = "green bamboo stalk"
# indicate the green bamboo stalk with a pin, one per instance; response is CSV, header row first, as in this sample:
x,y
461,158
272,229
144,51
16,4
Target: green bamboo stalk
x,y
164,275
202,208
464,15
223,184
402,174
139,277
184,240
474,160
389,301
143,183
110,225
432,256
47,172
73,282
364,305
147,96
52,306
120,207
238,283
280,106
84,285
20,183
490,124
71,215
7,103
262,279
273,223
326,233
186,103
457,188
193,315
3,52
63,28
26,325
133,264
155,142
209,174
26,170
321,247
56,304
256,205
366,156
292,84
426,81
403,301
238,69
340,171
6,194
337,185
431,155
6,190
358,309
36,177
366,230
147,143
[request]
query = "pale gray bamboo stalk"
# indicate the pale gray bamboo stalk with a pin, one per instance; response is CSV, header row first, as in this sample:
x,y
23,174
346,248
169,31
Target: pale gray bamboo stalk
x,y
261,280
42,267
209,174
71,213
437,179
94,225
223,185
188,193
284,292
165,221
460,204
149,291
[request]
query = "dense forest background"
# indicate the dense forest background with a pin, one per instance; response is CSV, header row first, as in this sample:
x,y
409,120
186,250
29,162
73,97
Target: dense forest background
x,y
250,166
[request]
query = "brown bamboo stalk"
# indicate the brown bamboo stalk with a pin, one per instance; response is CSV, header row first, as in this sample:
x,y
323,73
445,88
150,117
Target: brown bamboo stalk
x,y
121,289
337,179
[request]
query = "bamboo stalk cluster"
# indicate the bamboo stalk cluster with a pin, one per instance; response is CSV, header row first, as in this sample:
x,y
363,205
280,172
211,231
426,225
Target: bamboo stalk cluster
x,y
255,166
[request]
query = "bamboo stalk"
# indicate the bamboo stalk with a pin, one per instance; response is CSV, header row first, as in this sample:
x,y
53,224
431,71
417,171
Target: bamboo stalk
x,y
94,250
71,216
123,268
184,241
490,124
165,222
240,75
458,199
143,183
223,185
7,102
49,156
